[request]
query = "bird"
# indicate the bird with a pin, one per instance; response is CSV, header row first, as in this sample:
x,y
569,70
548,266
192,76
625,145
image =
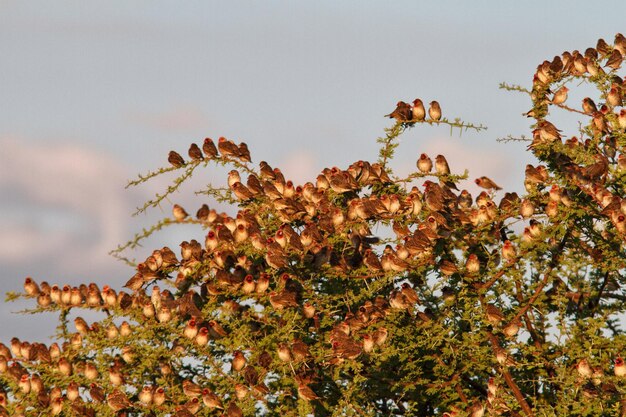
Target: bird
x,y
30,287
419,113
584,369
402,113
211,400
239,361
560,96
434,111
614,60
306,393
209,148
424,163
233,410
191,389
508,251
146,394
195,153
494,315
118,401
441,165
589,107
175,159
487,183
179,213
227,148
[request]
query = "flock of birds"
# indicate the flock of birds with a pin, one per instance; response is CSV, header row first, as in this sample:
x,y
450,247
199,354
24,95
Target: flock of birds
x,y
282,229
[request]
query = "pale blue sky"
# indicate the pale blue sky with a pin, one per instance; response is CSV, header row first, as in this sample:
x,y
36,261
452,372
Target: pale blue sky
x,y
92,93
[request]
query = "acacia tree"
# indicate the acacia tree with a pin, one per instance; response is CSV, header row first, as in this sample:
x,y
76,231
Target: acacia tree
x,y
365,293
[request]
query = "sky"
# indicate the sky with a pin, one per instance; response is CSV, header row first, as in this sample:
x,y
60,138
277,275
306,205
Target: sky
x,y
94,93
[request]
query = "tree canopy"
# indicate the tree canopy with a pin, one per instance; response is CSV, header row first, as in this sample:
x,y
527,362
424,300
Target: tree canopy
x,y
363,292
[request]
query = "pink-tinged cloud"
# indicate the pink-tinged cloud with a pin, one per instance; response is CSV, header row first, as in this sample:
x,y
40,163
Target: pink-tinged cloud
x,y
506,169
301,167
64,205
179,119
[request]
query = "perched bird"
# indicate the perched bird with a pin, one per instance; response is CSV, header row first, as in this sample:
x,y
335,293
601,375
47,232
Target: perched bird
x,y
424,163
441,165
227,148
508,251
239,361
584,369
233,410
175,159
589,107
179,212
560,95
487,183
434,111
419,113
402,113
615,60
191,389
306,393
146,394
195,153
30,287
211,400
494,315
244,152
118,401
209,148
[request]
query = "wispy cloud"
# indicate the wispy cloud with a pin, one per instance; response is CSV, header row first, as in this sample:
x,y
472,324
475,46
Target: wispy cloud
x,y
64,206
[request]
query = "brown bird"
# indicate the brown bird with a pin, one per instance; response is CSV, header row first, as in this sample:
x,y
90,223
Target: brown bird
x,y
216,329
560,95
239,361
614,97
242,192
211,400
419,113
195,153
244,152
175,159
434,111
191,389
96,393
306,393
402,113
146,394
441,165
494,315
209,148
227,148
589,106
508,251
179,213
158,398
118,401
615,60
283,299
583,368
233,410
487,183
30,287
424,163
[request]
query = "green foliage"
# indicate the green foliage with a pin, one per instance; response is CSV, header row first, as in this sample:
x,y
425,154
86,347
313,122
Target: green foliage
x,y
360,293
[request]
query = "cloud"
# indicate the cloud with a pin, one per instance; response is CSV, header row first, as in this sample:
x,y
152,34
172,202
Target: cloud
x,y
479,158
64,206
301,167
183,118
